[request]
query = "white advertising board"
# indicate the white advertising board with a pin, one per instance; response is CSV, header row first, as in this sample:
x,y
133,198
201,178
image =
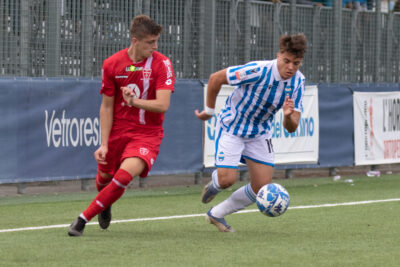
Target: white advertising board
x,y
376,127
295,148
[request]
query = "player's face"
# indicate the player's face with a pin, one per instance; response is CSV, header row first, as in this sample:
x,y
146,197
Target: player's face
x,y
147,45
288,64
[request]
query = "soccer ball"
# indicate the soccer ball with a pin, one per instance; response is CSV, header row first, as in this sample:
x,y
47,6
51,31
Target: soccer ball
x,y
273,200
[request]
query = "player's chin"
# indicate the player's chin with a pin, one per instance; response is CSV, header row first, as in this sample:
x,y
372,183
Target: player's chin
x,y
288,75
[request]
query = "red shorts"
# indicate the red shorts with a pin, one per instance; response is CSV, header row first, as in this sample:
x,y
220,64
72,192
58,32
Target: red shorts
x,y
129,145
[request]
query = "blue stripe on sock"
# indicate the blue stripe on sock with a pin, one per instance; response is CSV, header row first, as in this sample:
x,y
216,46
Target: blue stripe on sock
x,y
249,192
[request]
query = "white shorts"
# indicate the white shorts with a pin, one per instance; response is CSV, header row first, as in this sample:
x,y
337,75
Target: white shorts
x,y
231,149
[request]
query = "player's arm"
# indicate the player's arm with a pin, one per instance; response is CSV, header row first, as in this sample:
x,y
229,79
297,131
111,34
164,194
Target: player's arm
x,y
215,82
291,117
106,121
159,105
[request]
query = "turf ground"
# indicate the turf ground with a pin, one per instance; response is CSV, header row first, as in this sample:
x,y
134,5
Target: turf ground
x,y
311,233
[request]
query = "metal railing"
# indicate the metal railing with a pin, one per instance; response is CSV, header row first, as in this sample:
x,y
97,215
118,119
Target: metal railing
x,y
64,38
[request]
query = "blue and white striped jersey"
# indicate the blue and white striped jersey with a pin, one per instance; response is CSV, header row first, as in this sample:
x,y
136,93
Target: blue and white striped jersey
x,y
259,94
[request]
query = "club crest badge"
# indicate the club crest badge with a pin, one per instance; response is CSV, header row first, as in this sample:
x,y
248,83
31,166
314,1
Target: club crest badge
x,y
143,151
146,73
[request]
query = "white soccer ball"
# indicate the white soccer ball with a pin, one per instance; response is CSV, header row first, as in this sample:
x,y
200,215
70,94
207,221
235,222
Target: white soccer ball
x,y
273,200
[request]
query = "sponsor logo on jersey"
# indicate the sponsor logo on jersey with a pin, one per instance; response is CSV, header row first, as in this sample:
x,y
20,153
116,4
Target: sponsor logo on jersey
x,y
121,77
168,82
240,74
135,89
167,64
132,68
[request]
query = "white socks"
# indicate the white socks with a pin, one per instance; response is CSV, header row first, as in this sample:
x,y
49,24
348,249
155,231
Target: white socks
x,y
240,199
214,178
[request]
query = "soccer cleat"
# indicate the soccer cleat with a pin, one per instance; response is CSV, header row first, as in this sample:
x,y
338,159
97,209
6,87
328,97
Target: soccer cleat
x,y
76,228
104,218
220,223
209,192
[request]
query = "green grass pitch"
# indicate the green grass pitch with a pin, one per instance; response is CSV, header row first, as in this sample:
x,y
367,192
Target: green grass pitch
x,y
352,235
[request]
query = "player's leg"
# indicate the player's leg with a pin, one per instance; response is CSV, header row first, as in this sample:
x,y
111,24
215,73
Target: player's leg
x,y
228,150
138,157
228,153
130,168
221,178
243,197
260,175
225,177
259,157
102,180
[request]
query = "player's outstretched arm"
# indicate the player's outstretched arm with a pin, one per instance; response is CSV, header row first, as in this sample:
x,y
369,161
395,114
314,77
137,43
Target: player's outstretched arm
x,y
215,82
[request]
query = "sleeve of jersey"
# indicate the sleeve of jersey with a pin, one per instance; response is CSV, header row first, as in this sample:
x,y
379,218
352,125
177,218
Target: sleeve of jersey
x,y
165,75
244,74
107,80
298,95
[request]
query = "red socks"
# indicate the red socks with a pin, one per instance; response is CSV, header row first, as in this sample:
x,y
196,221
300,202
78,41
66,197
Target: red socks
x,y
101,182
111,193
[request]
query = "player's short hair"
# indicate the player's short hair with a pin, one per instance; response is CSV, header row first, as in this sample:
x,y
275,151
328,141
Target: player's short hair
x,y
293,44
142,26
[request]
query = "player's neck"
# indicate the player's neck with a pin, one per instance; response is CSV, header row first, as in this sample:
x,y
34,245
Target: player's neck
x,y
134,56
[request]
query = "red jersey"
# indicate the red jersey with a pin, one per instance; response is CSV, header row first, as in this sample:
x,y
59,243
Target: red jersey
x,y
144,78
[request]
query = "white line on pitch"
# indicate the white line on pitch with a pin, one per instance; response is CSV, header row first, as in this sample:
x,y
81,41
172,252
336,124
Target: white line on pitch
x,y
198,215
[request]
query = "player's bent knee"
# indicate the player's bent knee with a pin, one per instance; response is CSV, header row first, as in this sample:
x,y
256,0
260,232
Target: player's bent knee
x,y
226,180
104,175
123,177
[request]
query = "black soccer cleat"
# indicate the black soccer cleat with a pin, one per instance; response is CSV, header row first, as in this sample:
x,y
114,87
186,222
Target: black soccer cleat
x,y
76,228
104,218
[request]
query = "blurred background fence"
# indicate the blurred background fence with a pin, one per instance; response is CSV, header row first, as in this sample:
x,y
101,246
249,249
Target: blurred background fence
x,y
71,38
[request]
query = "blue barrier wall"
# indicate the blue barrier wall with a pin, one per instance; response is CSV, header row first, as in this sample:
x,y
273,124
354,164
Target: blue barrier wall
x,y
49,128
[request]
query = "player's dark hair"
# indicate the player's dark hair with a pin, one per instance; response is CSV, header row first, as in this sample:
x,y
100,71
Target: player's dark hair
x,y
293,44
142,26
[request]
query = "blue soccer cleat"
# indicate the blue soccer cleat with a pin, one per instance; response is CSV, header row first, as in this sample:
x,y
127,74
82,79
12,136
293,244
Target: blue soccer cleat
x,y
209,192
220,223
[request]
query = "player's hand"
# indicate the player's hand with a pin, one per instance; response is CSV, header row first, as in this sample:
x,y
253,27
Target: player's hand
x,y
202,115
100,155
288,106
129,95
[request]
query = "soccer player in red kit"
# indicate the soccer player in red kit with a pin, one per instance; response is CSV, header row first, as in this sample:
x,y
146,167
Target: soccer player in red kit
x,y
137,83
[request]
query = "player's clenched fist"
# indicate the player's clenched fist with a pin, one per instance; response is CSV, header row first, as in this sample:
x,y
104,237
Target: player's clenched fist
x,y
288,106
100,154
202,115
129,95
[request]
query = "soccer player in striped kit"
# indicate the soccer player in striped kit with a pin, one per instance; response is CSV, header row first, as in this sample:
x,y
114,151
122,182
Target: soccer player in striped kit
x,y
137,83
243,131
